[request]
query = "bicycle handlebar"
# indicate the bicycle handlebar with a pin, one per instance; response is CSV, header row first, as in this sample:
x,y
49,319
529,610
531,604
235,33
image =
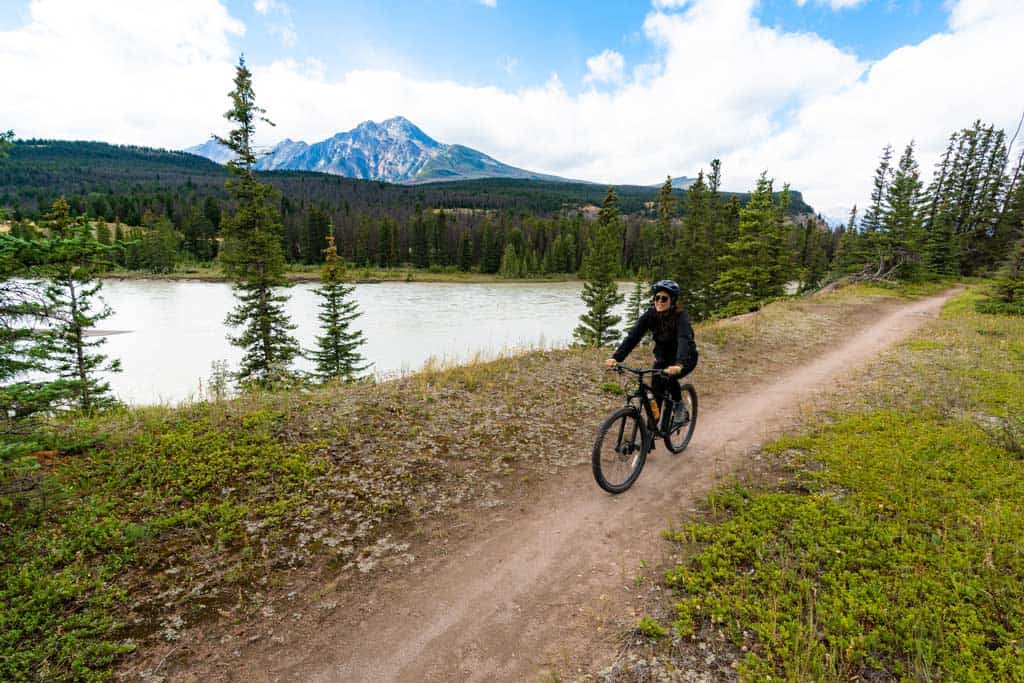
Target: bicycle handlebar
x,y
619,367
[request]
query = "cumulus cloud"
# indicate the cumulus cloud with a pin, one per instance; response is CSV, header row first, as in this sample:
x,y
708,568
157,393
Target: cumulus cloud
x,y
834,4
119,70
281,23
721,85
606,67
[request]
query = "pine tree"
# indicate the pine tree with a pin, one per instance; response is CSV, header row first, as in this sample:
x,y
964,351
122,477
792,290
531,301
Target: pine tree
x,y
871,223
663,243
439,240
1008,290
465,252
940,242
845,259
22,310
315,227
252,254
337,355
420,240
103,234
512,265
901,238
692,263
73,257
599,269
751,266
637,303
6,142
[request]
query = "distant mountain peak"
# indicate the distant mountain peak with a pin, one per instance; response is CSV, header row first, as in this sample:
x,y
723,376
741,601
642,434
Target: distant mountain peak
x,y
395,150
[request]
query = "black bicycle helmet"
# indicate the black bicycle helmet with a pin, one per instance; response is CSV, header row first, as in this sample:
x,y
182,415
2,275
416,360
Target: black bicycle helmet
x,y
669,286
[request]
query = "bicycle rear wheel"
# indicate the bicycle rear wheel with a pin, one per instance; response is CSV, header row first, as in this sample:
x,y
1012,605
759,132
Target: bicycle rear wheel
x,y
678,436
620,450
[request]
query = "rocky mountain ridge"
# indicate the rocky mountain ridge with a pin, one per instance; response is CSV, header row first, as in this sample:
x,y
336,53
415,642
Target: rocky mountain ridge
x,y
394,150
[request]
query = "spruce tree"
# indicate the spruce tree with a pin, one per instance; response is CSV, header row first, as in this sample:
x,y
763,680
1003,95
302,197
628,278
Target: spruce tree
x,y
420,240
252,255
465,252
693,268
663,244
637,303
599,269
73,257
337,354
22,310
901,239
512,264
871,223
751,266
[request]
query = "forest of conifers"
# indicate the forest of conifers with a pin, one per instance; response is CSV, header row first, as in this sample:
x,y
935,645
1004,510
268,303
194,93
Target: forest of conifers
x,y
729,251
464,224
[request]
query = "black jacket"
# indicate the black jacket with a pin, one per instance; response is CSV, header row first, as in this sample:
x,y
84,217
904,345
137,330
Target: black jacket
x,y
673,345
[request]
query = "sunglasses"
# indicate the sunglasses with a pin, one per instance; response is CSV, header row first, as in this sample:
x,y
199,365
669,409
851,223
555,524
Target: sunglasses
x,y
661,298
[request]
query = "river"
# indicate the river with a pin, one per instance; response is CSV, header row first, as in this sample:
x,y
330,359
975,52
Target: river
x,y
169,332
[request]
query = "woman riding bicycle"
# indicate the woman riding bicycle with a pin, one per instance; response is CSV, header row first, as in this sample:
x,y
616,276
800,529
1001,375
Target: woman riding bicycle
x,y
675,350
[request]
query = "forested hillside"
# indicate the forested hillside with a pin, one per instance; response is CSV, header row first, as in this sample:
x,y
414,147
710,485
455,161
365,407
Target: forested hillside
x,y
462,224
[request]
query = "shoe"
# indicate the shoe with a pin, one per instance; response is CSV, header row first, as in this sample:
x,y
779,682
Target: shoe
x,y
681,416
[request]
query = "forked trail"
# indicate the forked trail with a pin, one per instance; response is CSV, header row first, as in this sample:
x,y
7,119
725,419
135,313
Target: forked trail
x,y
532,594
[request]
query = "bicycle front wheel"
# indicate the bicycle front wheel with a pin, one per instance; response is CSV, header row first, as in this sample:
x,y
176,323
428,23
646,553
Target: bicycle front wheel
x,y
620,450
678,435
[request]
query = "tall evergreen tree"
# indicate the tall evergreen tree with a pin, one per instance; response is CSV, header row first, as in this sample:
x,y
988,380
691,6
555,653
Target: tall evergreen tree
x,y
73,257
465,252
901,239
662,248
337,354
22,311
637,303
693,258
6,142
871,221
420,240
752,267
599,269
252,254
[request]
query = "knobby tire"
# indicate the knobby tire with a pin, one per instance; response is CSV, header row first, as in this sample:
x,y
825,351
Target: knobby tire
x,y
679,437
620,450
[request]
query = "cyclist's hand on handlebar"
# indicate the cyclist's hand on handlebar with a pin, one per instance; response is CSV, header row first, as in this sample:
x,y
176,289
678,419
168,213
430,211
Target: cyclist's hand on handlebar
x,y
673,369
610,363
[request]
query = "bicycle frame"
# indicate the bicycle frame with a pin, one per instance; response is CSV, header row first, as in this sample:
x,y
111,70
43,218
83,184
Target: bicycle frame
x,y
644,393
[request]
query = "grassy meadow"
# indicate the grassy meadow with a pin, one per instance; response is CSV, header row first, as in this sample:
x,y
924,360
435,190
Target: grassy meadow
x,y
165,526
883,542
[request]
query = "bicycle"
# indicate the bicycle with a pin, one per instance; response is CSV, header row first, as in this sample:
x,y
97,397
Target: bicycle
x,y
626,436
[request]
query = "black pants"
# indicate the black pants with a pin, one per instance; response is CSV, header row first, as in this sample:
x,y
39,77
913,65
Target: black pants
x,y
662,384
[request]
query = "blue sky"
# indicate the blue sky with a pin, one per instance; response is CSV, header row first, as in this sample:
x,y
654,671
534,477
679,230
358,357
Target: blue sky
x,y
517,43
618,92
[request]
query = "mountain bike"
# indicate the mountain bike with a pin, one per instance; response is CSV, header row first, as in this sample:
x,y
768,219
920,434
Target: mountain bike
x,y
627,435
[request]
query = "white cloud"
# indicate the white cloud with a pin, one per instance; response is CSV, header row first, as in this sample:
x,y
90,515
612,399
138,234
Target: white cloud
x,y
489,3
120,71
283,26
508,64
834,4
606,67
721,85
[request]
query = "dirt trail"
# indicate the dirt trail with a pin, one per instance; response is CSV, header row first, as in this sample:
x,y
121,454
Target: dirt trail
x,y
532,596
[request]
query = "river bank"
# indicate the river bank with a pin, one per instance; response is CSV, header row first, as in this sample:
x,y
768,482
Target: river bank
x,y
355,275
179,537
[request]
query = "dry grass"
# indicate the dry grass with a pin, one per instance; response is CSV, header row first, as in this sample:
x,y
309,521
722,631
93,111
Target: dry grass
x,y
237,502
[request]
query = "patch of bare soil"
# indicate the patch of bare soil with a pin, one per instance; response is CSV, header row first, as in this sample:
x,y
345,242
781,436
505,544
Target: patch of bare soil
x,y
528,574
